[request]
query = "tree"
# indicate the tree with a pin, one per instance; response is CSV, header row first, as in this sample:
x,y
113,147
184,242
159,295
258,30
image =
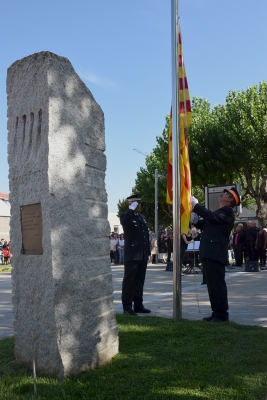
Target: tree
x,y
145,181
209,147
123,206
229,144
226,144
246,120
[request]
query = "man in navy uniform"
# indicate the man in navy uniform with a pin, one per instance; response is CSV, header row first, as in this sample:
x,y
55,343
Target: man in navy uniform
x,y
136,253
216,228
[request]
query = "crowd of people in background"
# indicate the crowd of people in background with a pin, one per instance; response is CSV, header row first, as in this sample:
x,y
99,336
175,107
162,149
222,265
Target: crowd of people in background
x,y
5,254
161,246
249,243
116,248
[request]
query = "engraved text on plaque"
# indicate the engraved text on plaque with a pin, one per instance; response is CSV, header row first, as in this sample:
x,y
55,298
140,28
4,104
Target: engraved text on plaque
x,y
32,227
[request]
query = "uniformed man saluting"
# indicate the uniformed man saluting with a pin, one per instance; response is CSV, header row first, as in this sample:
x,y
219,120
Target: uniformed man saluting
x,y
136,252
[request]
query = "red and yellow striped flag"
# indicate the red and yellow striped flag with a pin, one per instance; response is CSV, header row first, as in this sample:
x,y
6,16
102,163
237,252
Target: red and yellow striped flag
x,y
185,122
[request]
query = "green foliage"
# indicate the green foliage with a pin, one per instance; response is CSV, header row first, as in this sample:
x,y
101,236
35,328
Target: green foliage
x,y
207,147
227,144
145,181
123,206
158,359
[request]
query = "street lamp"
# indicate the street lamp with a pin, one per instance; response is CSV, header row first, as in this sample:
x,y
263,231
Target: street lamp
x,y
157,176
156,200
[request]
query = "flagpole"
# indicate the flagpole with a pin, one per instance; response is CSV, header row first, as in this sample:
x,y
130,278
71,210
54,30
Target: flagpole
x,y
177,302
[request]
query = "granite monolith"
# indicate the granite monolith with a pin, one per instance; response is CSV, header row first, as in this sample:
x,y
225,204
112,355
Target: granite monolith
x,y
61,273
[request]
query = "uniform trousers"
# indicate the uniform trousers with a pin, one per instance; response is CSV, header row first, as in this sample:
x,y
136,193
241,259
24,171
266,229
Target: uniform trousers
x,y
238,252
251,252
170,251
215,277
262,255
133,283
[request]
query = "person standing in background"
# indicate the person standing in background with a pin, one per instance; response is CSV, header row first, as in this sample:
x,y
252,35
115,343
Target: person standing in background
x,y
121,248
250,243
113,246
153,248
238,243
261,243
169,246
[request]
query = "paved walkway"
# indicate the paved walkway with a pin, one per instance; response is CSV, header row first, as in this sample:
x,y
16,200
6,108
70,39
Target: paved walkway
x,y
247,295
6,313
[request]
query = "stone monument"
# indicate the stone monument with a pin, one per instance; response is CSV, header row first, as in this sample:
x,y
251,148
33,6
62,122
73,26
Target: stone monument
x,y
62,282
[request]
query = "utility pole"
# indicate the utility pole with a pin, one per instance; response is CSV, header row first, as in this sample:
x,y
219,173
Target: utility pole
x,y
156,202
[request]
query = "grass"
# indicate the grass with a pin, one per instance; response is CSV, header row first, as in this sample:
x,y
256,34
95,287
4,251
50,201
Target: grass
x,y
158,359
5,267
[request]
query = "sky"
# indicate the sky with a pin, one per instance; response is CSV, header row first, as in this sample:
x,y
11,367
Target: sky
x,y
121,49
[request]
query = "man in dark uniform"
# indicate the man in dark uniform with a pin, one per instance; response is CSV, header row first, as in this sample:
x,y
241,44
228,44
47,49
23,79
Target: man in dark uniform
x,y
238,244
216,228
250,243
136,253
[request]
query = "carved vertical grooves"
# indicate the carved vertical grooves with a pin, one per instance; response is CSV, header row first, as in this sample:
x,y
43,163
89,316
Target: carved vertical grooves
x,y
39,128
31,129
24,119
16,134
22,147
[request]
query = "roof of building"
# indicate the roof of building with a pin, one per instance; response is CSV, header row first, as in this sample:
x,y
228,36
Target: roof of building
x,y
4,196
4,208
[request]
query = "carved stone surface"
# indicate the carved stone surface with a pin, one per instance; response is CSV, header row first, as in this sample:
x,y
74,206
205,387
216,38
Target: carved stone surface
x,y
62,299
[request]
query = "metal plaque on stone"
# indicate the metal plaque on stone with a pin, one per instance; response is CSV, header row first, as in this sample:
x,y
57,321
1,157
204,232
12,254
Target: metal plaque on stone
x,y
32,229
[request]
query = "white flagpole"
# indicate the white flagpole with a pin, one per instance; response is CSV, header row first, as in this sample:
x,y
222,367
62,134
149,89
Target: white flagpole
x,y
177,299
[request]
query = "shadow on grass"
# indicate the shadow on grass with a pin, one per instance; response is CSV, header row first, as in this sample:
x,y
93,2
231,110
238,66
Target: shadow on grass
x,y
160,359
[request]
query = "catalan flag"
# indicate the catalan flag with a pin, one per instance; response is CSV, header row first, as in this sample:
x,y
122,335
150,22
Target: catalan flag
x,y
185,122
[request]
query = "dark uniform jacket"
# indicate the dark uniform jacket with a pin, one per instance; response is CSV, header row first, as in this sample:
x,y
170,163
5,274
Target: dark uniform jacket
x,y
216,228
241,237
251,235
136,236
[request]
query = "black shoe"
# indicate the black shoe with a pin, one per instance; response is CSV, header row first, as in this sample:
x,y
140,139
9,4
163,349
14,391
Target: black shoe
x,y
208,318
169,266
217,319
203,283
142,310
129,311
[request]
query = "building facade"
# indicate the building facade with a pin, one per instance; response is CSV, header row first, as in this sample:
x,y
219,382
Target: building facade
x,y
4,216
114,223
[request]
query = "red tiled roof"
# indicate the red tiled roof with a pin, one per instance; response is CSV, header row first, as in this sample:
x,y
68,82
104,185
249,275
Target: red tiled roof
x,y
4,196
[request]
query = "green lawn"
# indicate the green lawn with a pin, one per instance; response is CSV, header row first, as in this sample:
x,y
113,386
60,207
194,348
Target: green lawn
x,y
159,359
5,268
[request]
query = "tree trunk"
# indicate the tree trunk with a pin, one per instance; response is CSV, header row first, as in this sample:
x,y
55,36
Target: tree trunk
x,y
261,212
